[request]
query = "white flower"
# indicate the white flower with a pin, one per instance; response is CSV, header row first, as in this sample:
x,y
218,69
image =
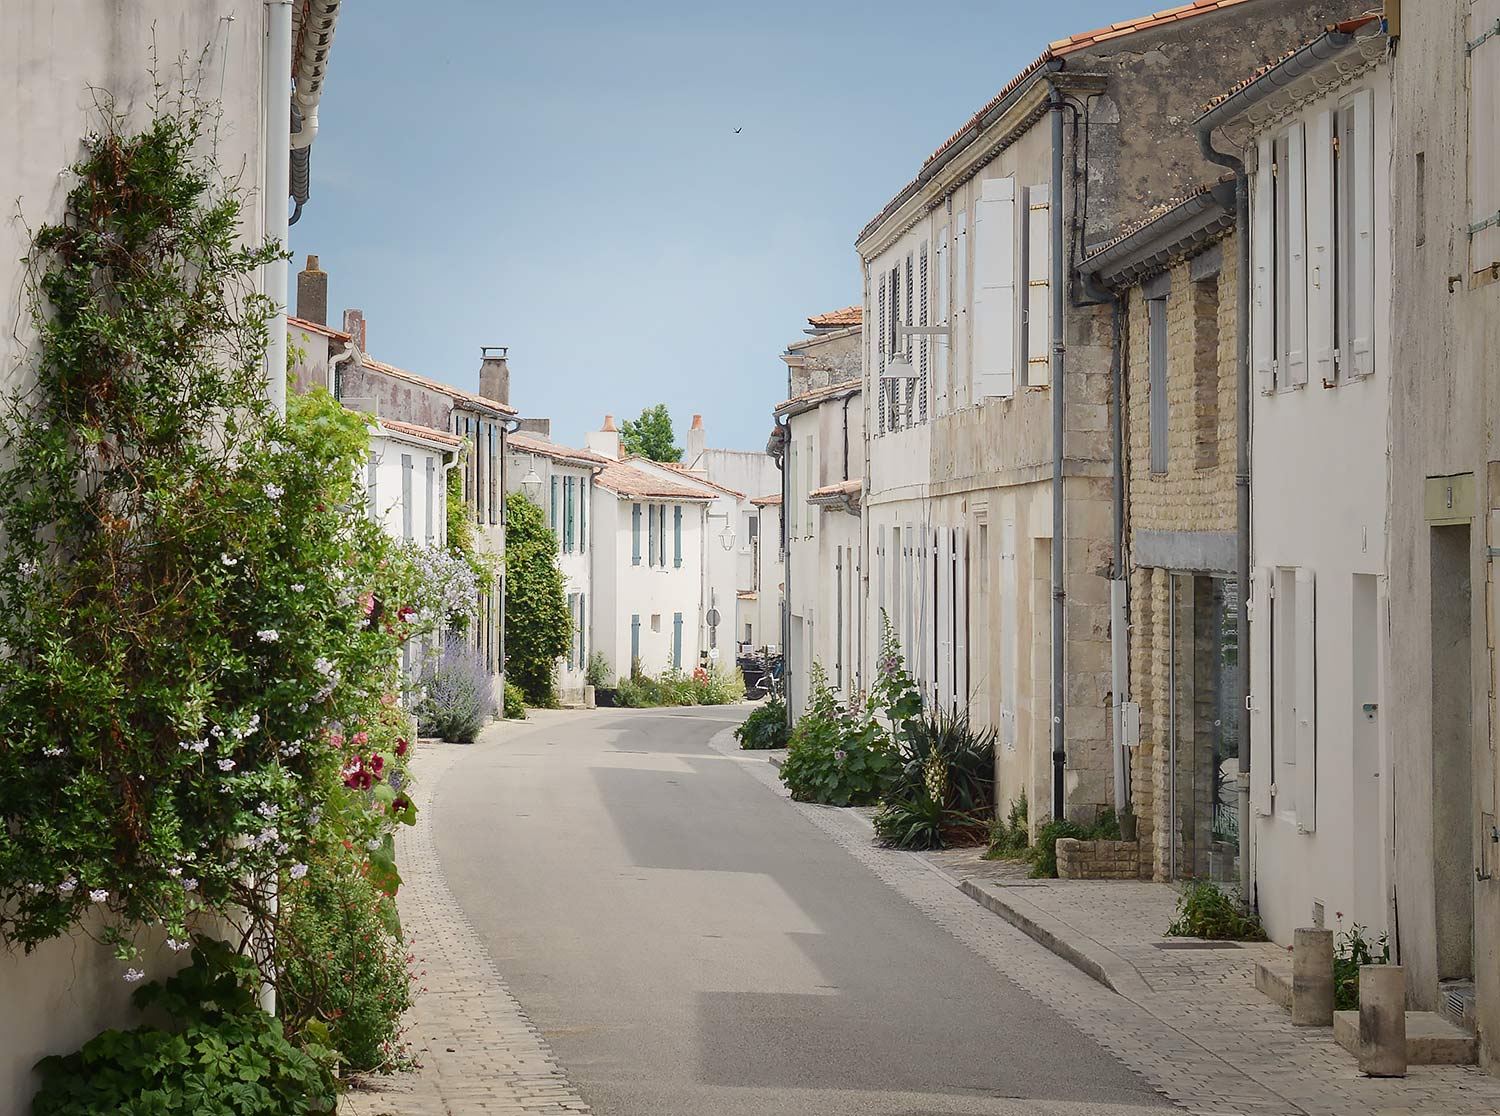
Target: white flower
x,y
229,559
272,491
174,872
133,975
298,871
373,844
254,723
190,884
323,665
298,587
226,764
52,751
268,635
200,746
67,886
177,945
99,895
277,447
34,888
266,809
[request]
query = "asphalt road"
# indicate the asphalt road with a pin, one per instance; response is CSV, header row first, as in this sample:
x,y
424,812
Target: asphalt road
x,y
690,945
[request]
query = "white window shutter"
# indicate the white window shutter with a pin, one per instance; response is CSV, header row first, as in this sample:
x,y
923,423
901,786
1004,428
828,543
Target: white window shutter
x,y
878,351
1038,289
1484,152
1296,187
1362,166
1307,704
1262,712
1320,262
942,592
961,618
1263,248
940,317
960,392
995,289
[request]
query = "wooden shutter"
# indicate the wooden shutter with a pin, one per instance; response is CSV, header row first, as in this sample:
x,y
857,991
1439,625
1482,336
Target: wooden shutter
x,y
908,388
429,498
942,619
553,522
878,345
635,530
1484,146
1262,703
1296,187
677,535
1307,704
960,390
1361,166
1320,240
586,490
995,289
1038,311
568,515
961,619
924,343
583,630
635,643
406,496
941,317
1263,249
676,640
1156,392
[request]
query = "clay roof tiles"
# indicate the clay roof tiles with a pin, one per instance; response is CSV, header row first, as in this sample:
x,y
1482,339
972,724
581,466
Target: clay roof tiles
x,y
816,395
427,433
837,319
530,443
627,480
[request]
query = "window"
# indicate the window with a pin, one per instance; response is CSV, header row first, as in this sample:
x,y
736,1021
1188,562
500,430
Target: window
x,y
1156,393
1483,50
1205,296
995,289
656,621
940,343
635,531
1038,297
963,357
677,535
406,496
428,497
924,343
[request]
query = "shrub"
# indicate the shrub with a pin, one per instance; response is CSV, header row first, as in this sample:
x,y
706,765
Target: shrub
x,y
538,626
836,756
515,702
675,688
1352,951
638,692
765,728
914,821
344,973
457,700
1043,854
1009,836
946,782
717,685
223,1057
598,673
1207,911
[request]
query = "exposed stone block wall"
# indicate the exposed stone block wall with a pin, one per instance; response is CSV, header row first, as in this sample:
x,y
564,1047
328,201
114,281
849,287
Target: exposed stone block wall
x,y
1097,860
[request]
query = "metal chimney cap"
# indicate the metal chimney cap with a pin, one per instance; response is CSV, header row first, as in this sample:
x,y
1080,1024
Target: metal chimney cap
x,y
486,350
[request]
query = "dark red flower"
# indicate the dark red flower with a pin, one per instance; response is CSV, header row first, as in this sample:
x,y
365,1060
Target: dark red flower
x,y
377,763
401,746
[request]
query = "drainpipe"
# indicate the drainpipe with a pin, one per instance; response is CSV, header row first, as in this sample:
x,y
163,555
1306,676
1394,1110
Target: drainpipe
x,y
847,399
508,426
783,436
336,373
1241,480
276,85
1119,586
1059,597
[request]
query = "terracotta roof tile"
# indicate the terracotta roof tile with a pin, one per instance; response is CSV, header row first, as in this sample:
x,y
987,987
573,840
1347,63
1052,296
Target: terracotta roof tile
x,y
849,316
771,501
627,480
530,443
314,327
433,385
839,488
679,467
1346,27
1156,213
425,432
817,394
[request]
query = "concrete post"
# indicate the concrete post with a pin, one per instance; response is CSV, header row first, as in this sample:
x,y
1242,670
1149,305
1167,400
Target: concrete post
x,y
1312,977
588,696
1382,1020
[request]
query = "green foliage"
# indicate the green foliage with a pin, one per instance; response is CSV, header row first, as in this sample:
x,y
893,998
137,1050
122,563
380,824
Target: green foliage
x,y
457,696
1351,951
705,686
639,691
199,619
945,785
538,627
1044,852
598,673
223,1057
1010,835
651,435
895,692
765,728
837,756
514,701
345,972
1207,911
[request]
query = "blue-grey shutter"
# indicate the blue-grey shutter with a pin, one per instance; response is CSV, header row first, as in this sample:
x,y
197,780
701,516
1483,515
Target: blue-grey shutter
x,y
372,473
427,503
651,512
676,641
677,535
585,491
494,476
567,525
583,631
635,643
406,517
553,521
635,526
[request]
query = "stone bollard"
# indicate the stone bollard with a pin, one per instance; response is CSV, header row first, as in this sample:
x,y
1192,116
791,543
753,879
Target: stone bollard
x,y
1382,1020
1312,977
588,697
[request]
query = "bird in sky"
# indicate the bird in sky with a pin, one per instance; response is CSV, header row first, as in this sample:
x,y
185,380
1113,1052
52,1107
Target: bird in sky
x,y
737,131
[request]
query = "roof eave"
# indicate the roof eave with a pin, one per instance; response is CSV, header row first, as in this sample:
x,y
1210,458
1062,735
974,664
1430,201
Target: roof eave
x,y
1195,221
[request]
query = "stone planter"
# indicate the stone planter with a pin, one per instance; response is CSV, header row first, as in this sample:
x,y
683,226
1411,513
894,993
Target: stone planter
x,y
604,697
1097,860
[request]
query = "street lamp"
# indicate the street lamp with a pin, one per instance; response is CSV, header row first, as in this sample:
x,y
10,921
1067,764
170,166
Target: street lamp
x,y
531,484
726,537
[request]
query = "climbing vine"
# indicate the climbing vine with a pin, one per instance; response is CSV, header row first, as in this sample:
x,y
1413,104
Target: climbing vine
x,y
199,627
537,625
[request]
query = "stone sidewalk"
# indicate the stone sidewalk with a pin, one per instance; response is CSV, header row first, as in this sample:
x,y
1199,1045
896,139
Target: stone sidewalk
x,y
478,1052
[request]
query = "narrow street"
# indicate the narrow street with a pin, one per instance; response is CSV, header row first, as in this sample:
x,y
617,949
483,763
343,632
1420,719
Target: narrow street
x,y
689,943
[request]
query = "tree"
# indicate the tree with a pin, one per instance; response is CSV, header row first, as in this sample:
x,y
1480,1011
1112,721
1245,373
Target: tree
x,y
538,627
651,435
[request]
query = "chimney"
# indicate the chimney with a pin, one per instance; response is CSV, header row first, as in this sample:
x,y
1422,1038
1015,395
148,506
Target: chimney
x,y
605,442
695,442
312,293
494,374
354,323
541,427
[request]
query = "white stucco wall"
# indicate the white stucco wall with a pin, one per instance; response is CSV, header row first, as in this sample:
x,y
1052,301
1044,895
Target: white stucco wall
x,y
387,495
1318,510
53,56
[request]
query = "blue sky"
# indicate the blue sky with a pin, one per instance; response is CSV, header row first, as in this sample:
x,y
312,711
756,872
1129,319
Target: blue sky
x,y
565,179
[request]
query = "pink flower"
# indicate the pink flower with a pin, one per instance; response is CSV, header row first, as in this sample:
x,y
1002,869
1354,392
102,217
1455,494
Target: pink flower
x,y
336,739
367,603
387,699
361,738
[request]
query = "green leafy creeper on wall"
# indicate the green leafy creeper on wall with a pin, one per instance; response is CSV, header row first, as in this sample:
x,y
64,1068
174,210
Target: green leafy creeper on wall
x,y
538,627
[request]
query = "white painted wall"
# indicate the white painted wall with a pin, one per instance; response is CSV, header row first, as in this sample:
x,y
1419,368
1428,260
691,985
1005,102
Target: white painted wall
x,y
399,467
53,57
1317,625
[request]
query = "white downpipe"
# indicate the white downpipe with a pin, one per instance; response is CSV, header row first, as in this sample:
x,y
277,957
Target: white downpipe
x,y
276,94
1119,670
314,42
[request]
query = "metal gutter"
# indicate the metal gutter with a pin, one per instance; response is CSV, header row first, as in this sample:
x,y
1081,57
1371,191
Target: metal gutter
x,y
1151,247
1315,54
